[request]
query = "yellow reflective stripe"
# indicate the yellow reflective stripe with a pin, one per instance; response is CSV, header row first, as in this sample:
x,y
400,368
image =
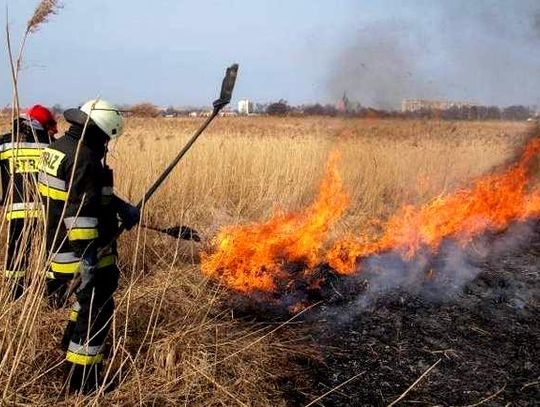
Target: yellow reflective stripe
x,y
21,152
24,213
82,233
73,315
15,273
71,268
65,268
83,359
107,261
53,193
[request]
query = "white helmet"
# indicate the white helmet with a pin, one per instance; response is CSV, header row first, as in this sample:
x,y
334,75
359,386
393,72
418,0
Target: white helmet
x,y
105,115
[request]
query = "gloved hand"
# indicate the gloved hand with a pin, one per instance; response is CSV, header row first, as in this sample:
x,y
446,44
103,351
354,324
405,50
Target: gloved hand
x,y
88,268
182,232
188,233
129,214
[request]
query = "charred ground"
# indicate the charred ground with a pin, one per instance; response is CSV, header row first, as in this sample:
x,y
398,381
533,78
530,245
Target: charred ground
x,y
486,336
487,340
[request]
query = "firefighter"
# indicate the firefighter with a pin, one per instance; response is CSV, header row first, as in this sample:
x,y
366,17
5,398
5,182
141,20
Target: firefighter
x,y
82,217
19,160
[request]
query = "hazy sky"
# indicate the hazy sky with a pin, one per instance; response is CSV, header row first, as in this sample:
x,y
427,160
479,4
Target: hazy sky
x,y
380,51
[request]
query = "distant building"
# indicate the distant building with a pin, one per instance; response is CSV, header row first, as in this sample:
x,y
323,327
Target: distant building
x,y
414,105
534,118
344,104
228,113
246,107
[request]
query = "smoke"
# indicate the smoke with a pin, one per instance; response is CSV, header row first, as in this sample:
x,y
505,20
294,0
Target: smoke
x,y
378,68
435,278
486,52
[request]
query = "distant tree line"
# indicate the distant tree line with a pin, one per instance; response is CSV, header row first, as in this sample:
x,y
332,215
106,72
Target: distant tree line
x,y
511,113
282,108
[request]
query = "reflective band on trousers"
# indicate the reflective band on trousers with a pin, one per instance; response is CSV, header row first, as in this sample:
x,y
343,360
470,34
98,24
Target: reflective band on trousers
x,y
84,354
15,273
51,192
80,222
23,210
68,263
34,213
83,234
74,312
83,359
24,205
81,227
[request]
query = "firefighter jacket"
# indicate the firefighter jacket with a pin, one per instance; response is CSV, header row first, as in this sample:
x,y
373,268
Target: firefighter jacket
x,y
77,194
19,162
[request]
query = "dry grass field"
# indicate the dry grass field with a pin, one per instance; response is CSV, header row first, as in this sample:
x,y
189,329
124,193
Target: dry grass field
x,y
173,342
243,168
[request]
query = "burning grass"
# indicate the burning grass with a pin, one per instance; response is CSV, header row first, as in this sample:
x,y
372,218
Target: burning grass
x,y
173,341
252,257
285,252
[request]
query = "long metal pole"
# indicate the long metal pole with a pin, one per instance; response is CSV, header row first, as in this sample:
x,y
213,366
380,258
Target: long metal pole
x,y
150,191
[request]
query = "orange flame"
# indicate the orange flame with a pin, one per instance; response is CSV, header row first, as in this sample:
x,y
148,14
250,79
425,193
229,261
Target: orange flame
x,y
250,257
492,203
255,257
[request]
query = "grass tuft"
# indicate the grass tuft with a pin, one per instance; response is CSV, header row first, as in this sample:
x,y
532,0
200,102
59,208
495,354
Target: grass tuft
x,y
44,10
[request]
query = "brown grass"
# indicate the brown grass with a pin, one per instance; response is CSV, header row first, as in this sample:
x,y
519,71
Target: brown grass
x,y
243,168
172,341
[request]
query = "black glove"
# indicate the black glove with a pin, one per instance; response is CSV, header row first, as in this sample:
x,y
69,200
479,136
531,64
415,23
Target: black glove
x,y
183,232
129,214
187,233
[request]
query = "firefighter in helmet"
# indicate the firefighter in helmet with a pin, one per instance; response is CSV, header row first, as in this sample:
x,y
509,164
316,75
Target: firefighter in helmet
x,y
83,216
19,160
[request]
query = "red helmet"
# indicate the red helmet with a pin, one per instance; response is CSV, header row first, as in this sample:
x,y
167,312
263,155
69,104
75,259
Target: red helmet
x,y
44,117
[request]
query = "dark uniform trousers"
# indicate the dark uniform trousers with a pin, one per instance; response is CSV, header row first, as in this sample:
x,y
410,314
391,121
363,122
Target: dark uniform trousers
x,y
90,318
20,239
